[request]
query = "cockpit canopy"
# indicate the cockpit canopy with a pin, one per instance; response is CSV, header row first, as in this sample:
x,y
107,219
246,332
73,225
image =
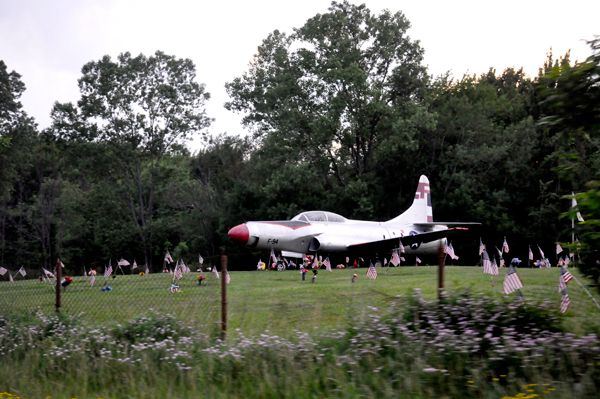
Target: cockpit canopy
x,y
319,216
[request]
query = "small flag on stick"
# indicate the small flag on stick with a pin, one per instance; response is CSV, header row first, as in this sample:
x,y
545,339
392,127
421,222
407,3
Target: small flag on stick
x,y
401,247
108,270
395,258
558,248
168,257
505,245
3,271
327,264
22,271
487,265
481,247
227,278
372,272
200,259
512,282
563,280
178,272
418,260
92,278
541,252
215,271
530,254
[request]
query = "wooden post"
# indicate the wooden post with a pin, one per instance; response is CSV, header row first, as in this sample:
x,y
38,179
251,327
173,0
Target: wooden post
x,y
58,278
440,270
223,294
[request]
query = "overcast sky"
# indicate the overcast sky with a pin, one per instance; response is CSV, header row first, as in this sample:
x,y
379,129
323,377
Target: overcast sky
x,y
48,42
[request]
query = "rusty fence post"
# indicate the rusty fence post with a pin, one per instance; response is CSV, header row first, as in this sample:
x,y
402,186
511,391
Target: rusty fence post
x,y
441,258
58,278
223,294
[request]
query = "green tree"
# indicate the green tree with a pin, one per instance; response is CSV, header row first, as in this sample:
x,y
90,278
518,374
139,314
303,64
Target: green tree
x,y
140,109
571,97
339,94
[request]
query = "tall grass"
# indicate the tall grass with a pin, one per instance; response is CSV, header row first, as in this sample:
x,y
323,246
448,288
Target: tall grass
x,y
465,345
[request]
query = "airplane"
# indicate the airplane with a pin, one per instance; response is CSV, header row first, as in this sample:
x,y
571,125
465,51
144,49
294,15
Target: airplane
x,y
329,232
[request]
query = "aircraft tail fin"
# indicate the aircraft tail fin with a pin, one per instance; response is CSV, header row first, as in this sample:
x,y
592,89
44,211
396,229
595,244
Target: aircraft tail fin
x,y
420,210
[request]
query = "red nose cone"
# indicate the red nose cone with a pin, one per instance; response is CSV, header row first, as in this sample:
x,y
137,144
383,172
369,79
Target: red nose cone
x,y
239,234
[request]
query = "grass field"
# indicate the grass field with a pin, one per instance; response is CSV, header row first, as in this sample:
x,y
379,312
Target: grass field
x,y
279,301
301,340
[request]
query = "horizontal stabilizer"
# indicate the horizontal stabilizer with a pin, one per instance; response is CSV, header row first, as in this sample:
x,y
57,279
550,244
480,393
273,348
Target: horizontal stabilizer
x,y
428,224
391,243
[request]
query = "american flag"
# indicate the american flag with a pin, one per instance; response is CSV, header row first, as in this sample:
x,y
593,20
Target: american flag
x,y
273,256
505,246
178,272
418,260
200,259
558,248
564,278
395,258
401,247
347,260
372,272
481,247
512,282
565,302
147,271
320,258
494,267
530,254
84,274
22,271
327,264
168,257
499,252
502,263
567,261
384,261
402,259
541,252
450,251
487,264
2,271
362,260
183,267
134,265
123,262
48,273
259,265
10,276
227,278
92,279
108,270
215,271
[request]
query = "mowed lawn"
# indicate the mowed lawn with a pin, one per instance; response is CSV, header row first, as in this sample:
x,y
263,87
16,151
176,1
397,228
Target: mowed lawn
x,y
280,302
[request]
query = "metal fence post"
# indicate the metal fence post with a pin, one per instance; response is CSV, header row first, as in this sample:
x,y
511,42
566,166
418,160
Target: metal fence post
x,y
58,278
223,294
441,257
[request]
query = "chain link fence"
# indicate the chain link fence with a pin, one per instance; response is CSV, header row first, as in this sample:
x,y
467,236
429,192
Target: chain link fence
x,y
123,295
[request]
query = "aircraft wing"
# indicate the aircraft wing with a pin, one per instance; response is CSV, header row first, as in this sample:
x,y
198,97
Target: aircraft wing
x,y
429,224
391,243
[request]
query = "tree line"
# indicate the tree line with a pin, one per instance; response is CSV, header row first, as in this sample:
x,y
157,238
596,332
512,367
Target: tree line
x,y
343,116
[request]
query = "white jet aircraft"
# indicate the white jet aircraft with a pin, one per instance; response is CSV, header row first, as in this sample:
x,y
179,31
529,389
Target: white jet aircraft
x,y
328,232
